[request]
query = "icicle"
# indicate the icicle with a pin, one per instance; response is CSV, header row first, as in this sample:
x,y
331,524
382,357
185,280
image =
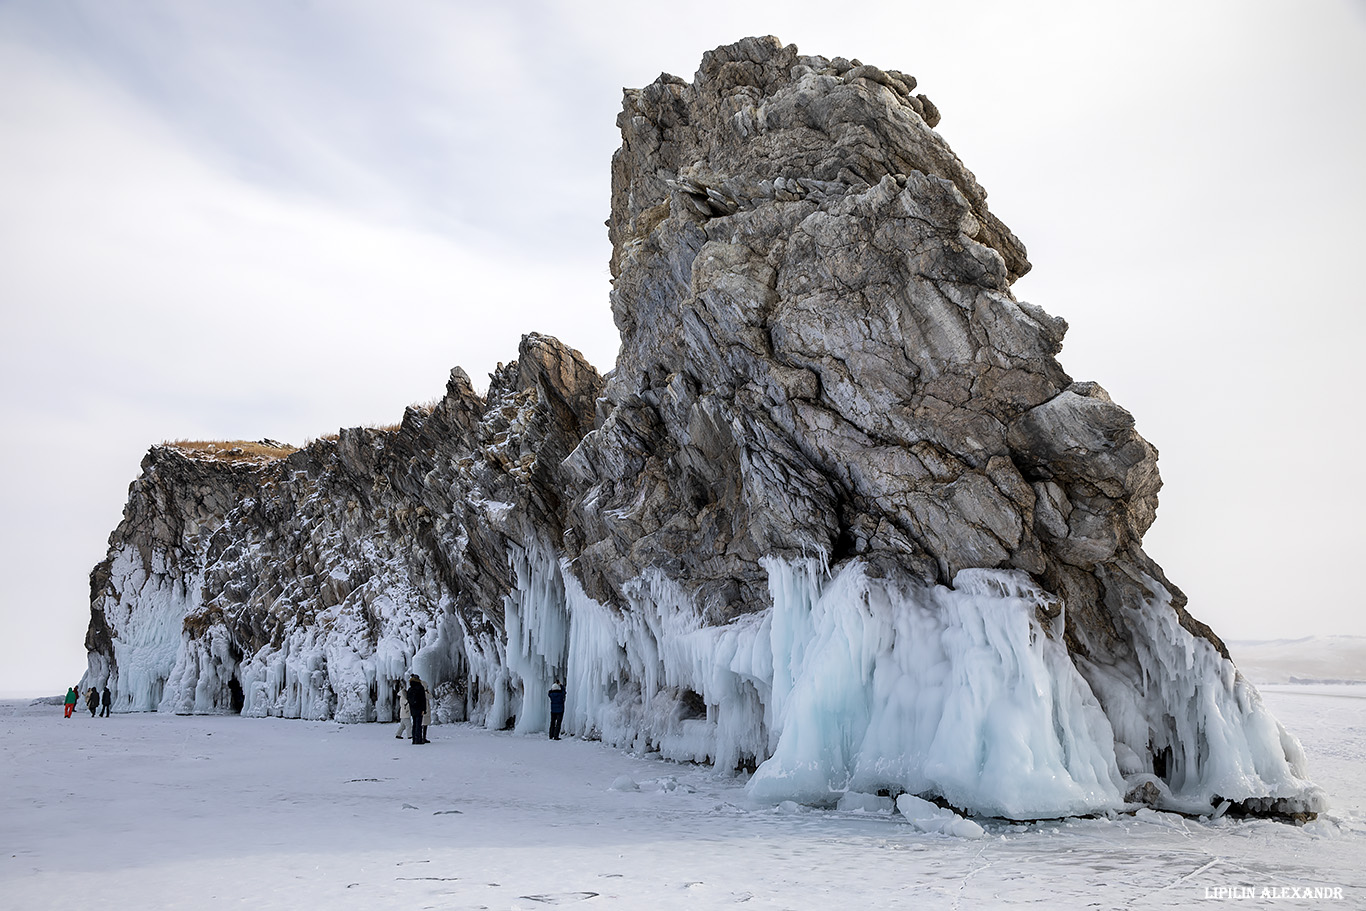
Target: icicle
x,y
929,690
1224,744
537,626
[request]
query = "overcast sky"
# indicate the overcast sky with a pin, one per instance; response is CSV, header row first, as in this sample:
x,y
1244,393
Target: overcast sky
x,y
275,219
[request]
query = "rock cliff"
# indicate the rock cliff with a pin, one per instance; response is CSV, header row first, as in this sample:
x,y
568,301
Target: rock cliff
x,y
837,514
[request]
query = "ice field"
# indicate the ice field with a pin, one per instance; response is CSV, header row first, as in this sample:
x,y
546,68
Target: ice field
x,y
143,811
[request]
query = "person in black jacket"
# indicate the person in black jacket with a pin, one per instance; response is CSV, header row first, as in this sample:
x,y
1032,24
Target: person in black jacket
x,y
106,700
417,704
556,709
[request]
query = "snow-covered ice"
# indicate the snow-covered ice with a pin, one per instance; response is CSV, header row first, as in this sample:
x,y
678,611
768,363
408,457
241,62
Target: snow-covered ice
x,y
219,811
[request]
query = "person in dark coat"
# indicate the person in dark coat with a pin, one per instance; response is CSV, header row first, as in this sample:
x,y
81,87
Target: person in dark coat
x,y
556,709
106,700
92,701
417,704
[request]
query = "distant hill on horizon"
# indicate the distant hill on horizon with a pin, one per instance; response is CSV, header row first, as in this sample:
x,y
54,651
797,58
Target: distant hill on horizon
x,y
1311,659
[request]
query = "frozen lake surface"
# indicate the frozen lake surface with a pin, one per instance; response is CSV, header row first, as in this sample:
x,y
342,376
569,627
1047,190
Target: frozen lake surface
x,y
149,811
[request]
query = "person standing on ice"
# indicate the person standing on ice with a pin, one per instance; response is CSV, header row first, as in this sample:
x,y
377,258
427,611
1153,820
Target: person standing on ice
x,y
92,701
556,709
106,700
70,702
417,704
405,714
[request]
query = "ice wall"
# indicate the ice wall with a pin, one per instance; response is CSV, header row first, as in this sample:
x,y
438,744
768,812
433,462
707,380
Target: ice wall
x,y
150,602
856,683
537,626
329,669
848,683
1205,724
959,693
853,681
654,678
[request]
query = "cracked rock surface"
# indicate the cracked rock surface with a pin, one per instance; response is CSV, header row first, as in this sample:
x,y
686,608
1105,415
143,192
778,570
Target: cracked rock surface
x,y
821,353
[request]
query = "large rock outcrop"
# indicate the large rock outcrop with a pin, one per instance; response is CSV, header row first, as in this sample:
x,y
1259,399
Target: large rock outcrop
x,y
838,513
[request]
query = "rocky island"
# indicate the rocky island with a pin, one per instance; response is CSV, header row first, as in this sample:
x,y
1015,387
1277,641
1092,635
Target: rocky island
x,y
837,515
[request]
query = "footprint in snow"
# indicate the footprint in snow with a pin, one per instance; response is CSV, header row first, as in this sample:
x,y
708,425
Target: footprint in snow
x,y
560,898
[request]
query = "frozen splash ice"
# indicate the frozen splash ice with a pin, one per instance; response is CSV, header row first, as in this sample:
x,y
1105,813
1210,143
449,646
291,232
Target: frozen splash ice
x,y
654,679
329,669
149,607
854,685
855,682
537,628
968,694
1190,706
959,693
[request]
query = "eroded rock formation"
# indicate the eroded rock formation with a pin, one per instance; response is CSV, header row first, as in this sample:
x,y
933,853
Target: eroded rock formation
x,y
838,512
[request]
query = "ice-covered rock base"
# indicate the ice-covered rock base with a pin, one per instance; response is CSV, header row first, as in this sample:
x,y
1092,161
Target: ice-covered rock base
x,y
855,684
837,516
848,684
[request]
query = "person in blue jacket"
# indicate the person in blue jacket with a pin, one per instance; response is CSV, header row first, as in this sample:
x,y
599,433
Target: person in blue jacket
x,y
556,709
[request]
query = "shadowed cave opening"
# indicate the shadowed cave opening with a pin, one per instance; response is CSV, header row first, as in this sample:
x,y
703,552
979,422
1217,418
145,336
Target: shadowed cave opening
x,y
236,698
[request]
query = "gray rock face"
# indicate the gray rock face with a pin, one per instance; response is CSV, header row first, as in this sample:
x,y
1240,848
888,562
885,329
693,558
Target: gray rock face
x,y
829,414
821,353
382,537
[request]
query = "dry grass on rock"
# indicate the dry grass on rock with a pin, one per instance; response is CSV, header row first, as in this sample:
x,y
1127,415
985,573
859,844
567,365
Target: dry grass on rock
x,y
250,451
